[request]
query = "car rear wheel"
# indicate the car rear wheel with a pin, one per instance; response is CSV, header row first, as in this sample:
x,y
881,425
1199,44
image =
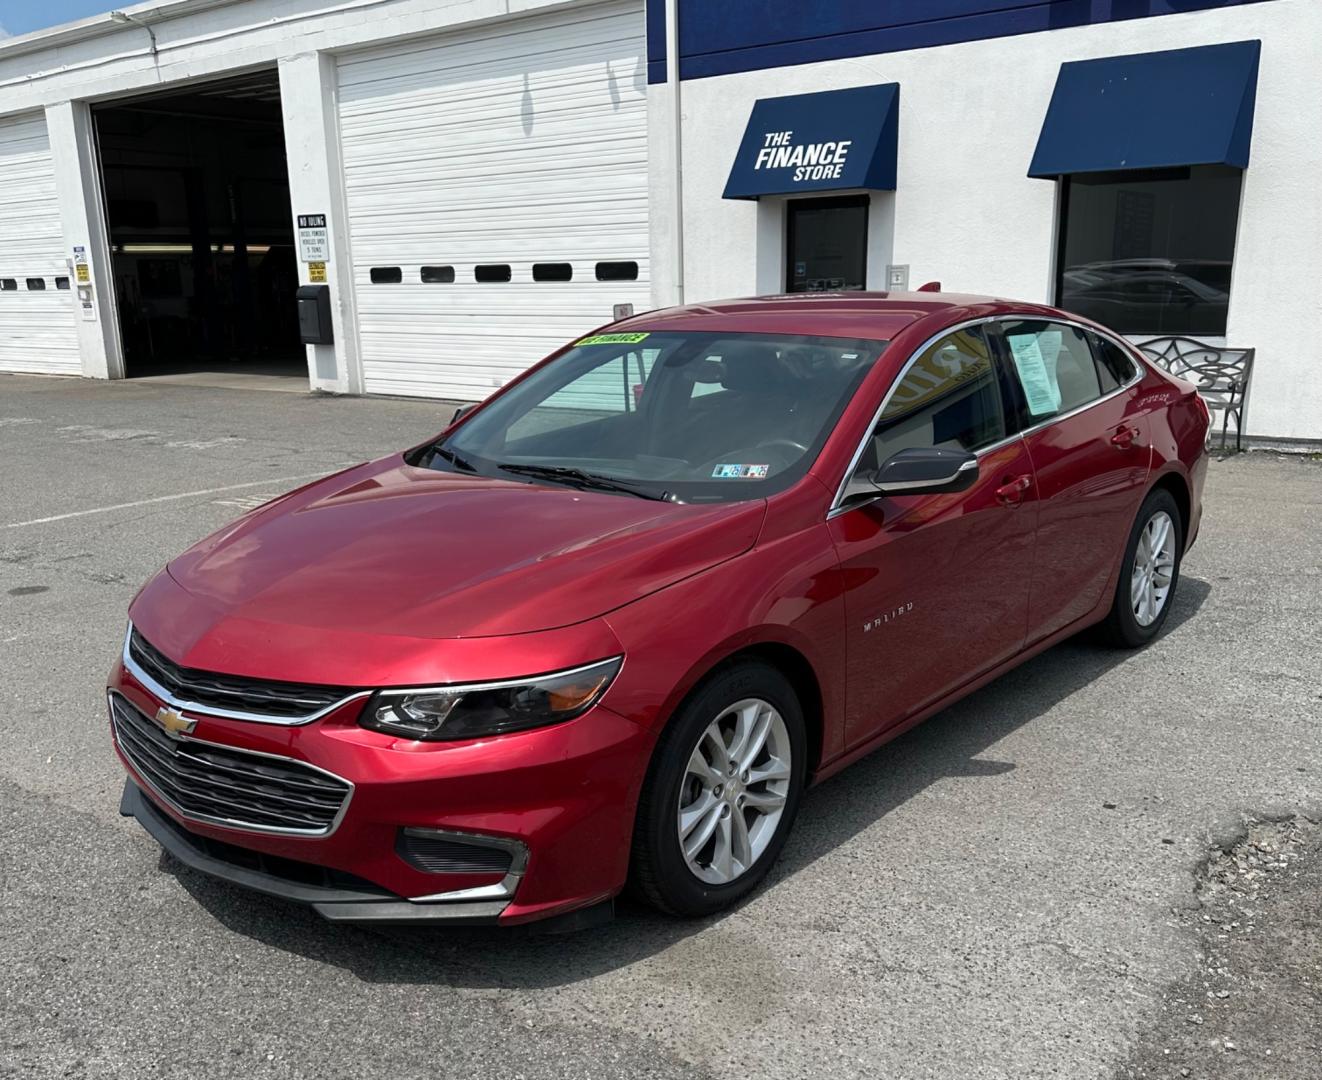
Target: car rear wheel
x,y
721,793
1149,573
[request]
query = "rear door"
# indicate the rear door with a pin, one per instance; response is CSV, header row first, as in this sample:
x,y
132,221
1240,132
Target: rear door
x,y
1087,439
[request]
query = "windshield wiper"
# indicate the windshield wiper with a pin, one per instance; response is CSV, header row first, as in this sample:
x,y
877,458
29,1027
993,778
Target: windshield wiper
x,y
579,478
453,458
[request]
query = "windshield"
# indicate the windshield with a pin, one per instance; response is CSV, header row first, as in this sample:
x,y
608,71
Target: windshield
x,y
684,416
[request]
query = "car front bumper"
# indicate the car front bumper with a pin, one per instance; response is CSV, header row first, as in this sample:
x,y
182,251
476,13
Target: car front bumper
x,y
335,897
564,796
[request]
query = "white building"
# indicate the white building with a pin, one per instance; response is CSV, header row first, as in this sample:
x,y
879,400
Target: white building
x,y
481,180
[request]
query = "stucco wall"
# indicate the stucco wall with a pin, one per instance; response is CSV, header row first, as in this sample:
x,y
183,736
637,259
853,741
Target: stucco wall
x,y
965,212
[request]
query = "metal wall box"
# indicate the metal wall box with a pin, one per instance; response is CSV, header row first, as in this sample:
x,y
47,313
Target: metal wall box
x,y
314,316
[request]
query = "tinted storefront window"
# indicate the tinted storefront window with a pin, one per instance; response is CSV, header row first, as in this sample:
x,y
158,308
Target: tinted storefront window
x,y
1150,253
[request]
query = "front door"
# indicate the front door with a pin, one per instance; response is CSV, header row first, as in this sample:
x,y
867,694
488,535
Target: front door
x,y
826,244
936,586
1088,442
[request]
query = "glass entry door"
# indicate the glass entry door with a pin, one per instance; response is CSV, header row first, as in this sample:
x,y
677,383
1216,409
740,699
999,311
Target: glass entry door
x,y
826,244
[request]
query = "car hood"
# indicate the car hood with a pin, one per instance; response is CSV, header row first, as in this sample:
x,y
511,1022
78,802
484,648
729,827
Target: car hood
x,y
387,548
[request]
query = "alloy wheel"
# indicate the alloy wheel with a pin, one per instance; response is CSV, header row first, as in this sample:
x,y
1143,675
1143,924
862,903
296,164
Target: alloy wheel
x,y
1154,568
734,791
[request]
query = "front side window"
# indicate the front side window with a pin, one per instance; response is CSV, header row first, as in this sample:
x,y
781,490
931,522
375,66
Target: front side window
x,y
694,417
949,397
1150,252
1054,365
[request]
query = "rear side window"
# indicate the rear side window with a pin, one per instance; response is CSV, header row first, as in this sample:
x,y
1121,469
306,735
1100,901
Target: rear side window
x,y
1114,365
949,398
1054,366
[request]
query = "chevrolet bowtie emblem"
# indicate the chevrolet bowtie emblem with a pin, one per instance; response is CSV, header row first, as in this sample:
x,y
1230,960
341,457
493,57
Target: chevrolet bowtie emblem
x,y
173,721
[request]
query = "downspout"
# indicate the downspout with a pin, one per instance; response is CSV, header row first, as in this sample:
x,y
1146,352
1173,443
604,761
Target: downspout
x,y
677,147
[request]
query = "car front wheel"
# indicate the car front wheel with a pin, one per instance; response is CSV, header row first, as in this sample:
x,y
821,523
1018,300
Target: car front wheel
x,y
721,793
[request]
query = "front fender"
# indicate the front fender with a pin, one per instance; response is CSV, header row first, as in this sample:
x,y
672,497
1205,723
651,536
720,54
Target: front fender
x,y
787,592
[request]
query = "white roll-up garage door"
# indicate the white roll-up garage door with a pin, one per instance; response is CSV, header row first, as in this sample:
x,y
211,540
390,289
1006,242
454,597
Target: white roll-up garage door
x,y
496,181
37,330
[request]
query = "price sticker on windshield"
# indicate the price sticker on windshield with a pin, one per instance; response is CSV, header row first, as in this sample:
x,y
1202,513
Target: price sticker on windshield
x,y
613,339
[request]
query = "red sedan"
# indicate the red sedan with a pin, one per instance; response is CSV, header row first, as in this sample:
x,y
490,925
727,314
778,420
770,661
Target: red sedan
x,y
606,628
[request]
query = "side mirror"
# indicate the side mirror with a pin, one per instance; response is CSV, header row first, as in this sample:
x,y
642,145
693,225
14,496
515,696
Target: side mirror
x,y
461,412
926,470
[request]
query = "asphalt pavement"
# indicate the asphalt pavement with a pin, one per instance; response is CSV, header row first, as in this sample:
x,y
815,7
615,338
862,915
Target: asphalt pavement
x,y
1010,891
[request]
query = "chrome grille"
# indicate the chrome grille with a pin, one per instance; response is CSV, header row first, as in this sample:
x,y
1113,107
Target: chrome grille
x,y
222,785
228,694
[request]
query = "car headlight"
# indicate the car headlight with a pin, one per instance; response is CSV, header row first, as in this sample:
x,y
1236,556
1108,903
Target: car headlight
x,y
495,708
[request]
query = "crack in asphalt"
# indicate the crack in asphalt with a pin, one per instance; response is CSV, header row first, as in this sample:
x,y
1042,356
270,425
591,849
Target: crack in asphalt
x,y
1253,1007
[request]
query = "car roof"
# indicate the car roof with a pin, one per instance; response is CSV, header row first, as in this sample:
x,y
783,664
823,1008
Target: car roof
x,y
874,315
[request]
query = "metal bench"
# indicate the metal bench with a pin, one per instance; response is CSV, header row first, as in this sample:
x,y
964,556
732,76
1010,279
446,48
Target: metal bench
x,y
1221,375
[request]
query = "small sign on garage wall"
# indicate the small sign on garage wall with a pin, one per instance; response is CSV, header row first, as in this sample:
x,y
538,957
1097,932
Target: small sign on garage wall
x,y
317,273
313,239
81,273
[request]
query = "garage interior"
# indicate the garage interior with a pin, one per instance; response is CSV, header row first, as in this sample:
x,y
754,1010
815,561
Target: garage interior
x,y
201,234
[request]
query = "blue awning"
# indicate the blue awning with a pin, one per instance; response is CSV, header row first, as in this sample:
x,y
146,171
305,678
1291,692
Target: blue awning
x,y
1151,111
833,140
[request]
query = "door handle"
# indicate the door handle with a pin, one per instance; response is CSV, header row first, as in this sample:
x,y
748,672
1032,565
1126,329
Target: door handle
x,y
1124,438
1011,493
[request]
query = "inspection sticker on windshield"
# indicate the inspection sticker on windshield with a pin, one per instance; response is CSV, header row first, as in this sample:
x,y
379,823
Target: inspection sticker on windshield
x,y
612,339
740,472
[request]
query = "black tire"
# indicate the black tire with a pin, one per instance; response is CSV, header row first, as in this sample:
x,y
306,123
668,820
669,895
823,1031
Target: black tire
x,y
659,874
1121,627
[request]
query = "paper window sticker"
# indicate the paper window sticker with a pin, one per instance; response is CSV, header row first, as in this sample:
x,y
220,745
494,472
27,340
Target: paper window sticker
x,y
1050,342
1039,386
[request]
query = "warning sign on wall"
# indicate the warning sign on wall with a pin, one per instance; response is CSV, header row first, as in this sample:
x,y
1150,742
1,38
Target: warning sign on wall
x,y
313,238
317,273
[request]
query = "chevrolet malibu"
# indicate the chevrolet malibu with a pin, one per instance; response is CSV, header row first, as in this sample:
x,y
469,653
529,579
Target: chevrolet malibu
x,y
606,628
